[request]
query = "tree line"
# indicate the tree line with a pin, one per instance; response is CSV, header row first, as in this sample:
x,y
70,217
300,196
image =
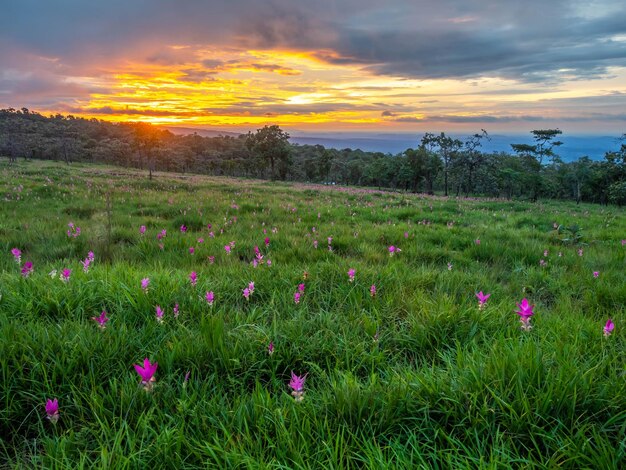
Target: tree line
x,y
438,163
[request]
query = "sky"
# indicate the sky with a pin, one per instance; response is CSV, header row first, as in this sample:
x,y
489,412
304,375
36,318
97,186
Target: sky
x,y
321,65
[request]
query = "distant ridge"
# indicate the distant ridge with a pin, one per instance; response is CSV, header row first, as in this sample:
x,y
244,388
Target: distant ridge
x,y
574,146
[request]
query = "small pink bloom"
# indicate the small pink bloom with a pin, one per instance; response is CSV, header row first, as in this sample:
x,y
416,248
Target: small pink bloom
x,y
580,252
596,273
200,240
269,263
270,348
52,410
227,249
251,287
183,228
27,269
315,244
102,319
482,299
351,274
65,275
267,242
624,242
145,283
373,290
525,312
176,311
17,254
147,373
297,385
608,328
211,259
142,229
246,293
193,278
296,297
542,262
301,288
545,253
159,314
210,297
192,250
392,250
406,234
477,241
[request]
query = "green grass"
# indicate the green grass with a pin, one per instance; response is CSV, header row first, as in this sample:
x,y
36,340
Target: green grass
x,y
417,377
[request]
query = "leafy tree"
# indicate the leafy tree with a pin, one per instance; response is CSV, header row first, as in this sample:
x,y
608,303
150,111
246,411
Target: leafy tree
x,y
446,147
272,144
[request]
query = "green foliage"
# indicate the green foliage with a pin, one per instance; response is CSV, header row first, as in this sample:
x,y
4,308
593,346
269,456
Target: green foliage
x,y
415,377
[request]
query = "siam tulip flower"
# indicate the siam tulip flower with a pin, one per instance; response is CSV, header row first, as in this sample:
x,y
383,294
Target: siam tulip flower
x,y
301,288
65,275
162,234
608,328
449,266
211,259
580,252
246,293
176,311
142,230
596,273
330,240
351,274
257,252
87,261
52,410
193,278
73,231
251,287
145,282
542,262
211,235
232,244
27,269
315,244
210,297
373,290
270,348
159,314
147,373
192,250
183,228
406,234
200,240
297,385
392,250
482,299
477,241
227,249
209,226
296,297
267,242
525,312
624,242
102,319
269,263
17,254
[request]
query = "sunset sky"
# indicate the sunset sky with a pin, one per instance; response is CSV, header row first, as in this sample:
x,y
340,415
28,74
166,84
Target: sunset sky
x,y
320,66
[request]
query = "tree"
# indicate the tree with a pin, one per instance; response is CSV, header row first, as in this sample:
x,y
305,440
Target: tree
x,y
271,143
446,147
544,145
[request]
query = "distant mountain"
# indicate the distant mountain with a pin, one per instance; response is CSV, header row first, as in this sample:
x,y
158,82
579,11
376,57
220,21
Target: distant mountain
x,y
574,146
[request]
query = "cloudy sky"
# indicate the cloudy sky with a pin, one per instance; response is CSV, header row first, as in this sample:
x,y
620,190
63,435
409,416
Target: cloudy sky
x,y
321,65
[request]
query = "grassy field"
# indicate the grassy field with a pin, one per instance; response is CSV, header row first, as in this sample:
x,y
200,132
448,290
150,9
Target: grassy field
x,y
416,376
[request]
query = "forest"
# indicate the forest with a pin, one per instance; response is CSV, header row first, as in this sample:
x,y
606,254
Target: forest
x,y
438,164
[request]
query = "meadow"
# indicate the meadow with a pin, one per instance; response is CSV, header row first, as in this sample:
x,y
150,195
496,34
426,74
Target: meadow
x,y
369,295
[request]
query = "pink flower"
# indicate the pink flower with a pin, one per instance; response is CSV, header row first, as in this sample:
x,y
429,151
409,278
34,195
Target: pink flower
x,y
269,263
351,274
176,312
65,275
545,253
330,240
87,261
542,262
246,293
297,385
406,234
624,242
482,299
102,319
147,373
211,259
301,288
192,250
525,312
27,269
315,244
392,250
270,348
159,314
609,327
477,241
296,297
73,231
142,229
373,290
267,242
145,282
200,240
596,273
251,287
580,252
227,249
52,410
232,244
162,234
17,254
183,228
193,278
210,298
